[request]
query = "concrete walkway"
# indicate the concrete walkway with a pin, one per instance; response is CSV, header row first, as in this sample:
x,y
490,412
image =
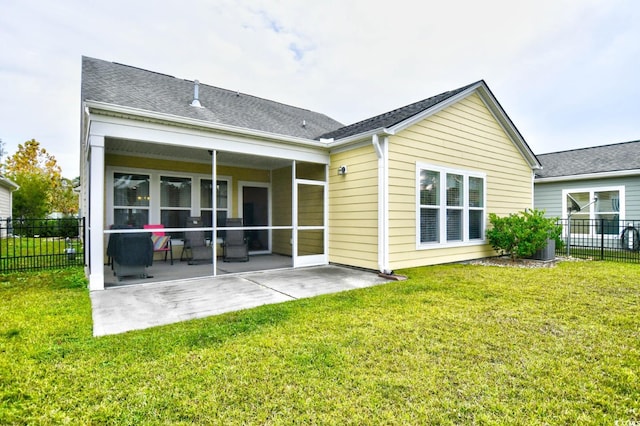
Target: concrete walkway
x,y
139,306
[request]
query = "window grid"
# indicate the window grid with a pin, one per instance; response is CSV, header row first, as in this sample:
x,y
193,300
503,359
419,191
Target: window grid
x,y
451,206
606,203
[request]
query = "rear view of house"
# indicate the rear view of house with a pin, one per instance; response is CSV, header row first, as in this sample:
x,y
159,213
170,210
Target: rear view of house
x,y
410,187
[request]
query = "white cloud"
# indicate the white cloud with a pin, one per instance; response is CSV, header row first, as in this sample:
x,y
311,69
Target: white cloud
x,y
565,71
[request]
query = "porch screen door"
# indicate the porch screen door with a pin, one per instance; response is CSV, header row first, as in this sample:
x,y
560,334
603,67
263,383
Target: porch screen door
x,y
311,239
255,212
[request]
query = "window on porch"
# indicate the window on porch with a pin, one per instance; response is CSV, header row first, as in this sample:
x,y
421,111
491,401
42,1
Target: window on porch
x,y
131,199
175,201
222,203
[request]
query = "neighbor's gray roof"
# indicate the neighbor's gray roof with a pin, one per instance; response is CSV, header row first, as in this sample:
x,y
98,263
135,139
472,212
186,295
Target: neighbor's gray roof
x,y
597,159
391,118
124,85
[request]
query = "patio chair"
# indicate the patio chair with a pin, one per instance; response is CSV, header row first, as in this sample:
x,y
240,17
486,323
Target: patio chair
x,y
161,242
235,247
195,247
131,254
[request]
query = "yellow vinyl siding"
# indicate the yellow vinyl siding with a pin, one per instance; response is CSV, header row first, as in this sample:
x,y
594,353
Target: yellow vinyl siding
x,y
463,136
281,206
353,208
156,164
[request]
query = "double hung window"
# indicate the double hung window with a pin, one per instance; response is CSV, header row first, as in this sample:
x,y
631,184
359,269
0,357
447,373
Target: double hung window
x,y
130,200
175,201
451,206
222,203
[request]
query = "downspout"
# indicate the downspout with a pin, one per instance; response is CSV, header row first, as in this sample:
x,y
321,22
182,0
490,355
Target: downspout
x,y
383,203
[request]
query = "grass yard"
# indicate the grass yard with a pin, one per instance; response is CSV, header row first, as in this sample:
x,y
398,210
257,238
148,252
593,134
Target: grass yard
x,y
455,344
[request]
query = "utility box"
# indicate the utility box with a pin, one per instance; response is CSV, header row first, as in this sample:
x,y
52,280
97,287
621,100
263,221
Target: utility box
x,y
546,253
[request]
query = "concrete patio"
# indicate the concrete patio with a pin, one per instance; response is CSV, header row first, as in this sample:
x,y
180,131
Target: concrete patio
x,y
141,305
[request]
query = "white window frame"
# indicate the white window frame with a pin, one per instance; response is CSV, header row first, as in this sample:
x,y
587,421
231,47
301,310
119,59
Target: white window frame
x,y
110,195
591,208
227,209
192,200
154,207
442,207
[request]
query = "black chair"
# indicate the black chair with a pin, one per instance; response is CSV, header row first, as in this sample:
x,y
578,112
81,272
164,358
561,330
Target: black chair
x,y
235,247
195,247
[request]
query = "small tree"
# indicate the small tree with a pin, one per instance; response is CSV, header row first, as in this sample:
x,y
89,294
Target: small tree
x,y
64,199
522,234
37,173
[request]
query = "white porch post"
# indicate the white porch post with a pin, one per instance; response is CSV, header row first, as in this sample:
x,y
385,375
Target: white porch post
x,y
96,213
214,214
294,214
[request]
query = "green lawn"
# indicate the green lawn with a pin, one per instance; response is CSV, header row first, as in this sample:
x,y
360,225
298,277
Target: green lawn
x,y
456,344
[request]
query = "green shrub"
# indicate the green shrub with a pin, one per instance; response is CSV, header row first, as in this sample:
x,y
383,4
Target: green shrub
x,y
522,234
65,227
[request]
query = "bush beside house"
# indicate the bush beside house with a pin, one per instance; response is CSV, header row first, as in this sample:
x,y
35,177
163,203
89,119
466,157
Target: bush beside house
x,y
522,234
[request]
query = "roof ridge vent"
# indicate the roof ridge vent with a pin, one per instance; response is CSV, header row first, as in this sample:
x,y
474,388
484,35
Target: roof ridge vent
x,y
196,88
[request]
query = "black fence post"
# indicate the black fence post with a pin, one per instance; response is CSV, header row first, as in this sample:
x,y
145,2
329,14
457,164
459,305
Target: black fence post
x,y
83,233
601,238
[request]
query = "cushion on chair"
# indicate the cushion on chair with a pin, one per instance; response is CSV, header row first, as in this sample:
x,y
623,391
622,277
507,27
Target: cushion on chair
x,y
160,242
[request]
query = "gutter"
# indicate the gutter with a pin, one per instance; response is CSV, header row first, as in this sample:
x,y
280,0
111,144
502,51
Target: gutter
x,y
332,143
11,185
598,175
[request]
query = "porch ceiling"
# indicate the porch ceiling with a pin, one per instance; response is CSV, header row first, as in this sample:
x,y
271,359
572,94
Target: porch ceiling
x,y
195,155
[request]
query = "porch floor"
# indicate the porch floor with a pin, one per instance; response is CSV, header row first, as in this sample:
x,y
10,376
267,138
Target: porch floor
x,y
165,271
121,308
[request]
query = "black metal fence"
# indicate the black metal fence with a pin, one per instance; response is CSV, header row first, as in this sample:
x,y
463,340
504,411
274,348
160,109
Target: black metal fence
x,y
35,244
601,239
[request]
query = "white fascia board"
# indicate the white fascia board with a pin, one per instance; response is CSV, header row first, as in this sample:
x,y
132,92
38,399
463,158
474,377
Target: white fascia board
x,y
154,132
390,131
493,106
587,176
487,97
170,118
507,125
9,184
434,109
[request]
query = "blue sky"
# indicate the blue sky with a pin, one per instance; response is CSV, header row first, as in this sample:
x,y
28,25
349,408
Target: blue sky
x,y
566,71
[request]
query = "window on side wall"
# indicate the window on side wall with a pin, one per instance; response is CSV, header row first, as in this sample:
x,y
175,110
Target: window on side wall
x,y
602,210
451,206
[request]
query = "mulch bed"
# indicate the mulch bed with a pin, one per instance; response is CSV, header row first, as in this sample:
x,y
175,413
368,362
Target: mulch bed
x,y
507,262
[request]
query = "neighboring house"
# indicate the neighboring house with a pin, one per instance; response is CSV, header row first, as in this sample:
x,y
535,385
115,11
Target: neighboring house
x,y
610,173
410,187
599,187
7,187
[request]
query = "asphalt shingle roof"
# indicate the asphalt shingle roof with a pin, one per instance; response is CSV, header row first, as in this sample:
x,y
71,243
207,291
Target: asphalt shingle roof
x,y
597,159
394,117
124,85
